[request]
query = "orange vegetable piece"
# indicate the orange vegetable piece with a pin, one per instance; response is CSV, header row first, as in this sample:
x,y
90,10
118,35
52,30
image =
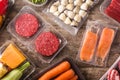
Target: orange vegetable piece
x,y
12,57
105,42
66,75
62,67
74,78
88,47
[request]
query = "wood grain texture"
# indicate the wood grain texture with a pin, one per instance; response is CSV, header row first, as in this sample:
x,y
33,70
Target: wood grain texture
x,y
90,72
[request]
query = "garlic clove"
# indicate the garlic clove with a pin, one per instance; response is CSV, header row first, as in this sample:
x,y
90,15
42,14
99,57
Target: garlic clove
x,y
82,13
77,18
89,2
61,8
84,6
56,13
76,9
53,9
78,2
67,21
64,2
70,6
74,23
57,3
62,16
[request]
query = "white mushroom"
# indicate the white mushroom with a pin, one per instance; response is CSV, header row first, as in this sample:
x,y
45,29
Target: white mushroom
x,y
70,6
71,1
84,6
89,2
53,9
62,16
64,2
74,23
77,2
76,9
70,14
67,21
82,13
56,13
57,3
77,18
61,8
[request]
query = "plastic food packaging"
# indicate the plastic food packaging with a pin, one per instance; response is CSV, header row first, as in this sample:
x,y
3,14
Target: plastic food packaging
x,y
43,58
72,66
104,6
36,4
16,22
69,15
4,11
29,42
8,45
115,66
95,46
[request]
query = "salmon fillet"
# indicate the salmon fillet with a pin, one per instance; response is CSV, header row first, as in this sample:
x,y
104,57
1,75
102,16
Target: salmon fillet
x,y
88,47
105,42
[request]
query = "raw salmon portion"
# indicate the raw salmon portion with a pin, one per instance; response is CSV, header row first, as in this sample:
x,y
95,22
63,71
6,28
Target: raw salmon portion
x,y
105,42
88,47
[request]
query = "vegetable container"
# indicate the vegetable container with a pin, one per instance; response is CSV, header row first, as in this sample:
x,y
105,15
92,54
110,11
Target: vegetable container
x,y
29,70
36,4
48,59
69,22
103,7
114,66
72,64
92,48
11,25
5,16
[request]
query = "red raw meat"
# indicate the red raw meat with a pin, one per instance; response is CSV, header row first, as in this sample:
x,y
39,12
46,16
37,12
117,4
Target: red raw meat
x,y
26,25
3,6
113,75
111,14
47,43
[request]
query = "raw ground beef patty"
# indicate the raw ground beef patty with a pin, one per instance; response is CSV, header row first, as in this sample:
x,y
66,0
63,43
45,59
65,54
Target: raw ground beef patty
x,y
26,25
47,43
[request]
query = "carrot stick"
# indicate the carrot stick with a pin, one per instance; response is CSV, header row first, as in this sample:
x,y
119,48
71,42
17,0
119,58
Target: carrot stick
x,y
74,78
66,75
105,42
88,47
62,67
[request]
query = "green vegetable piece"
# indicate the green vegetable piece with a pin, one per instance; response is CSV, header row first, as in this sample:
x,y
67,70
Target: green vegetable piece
x,y
17,73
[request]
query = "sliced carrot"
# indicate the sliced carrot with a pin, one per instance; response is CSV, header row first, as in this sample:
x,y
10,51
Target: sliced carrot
x,y
88,47
62,67
74,78
12,57
105,42
66,75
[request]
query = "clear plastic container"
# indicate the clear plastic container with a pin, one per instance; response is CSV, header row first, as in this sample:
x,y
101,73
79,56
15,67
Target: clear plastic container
x,y
36,5
104,6
114,66
29,70
73,66
5,17
71,29
47,59
95,27
11,25
29,42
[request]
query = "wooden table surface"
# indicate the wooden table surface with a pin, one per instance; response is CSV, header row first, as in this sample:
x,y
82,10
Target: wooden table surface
x,y
90,72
